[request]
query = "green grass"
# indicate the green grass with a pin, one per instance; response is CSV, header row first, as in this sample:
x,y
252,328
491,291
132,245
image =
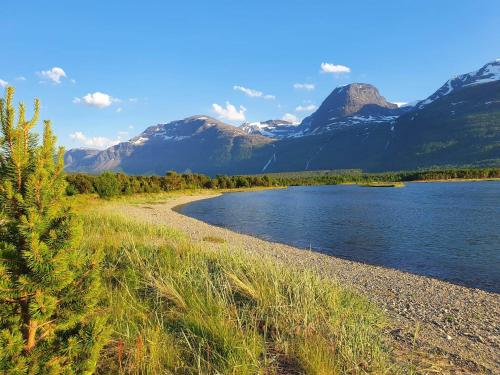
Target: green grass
x,y
178,307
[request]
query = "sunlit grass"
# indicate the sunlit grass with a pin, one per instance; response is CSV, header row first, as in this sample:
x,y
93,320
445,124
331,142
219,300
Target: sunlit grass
x,y
179,307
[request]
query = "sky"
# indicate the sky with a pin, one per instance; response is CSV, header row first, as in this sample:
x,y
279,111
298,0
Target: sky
x,y
106,70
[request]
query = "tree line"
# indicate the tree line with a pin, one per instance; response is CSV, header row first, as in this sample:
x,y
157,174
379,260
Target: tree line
x,y
110,184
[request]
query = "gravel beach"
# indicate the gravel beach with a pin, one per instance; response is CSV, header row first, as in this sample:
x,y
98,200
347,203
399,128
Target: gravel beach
x,y
453,328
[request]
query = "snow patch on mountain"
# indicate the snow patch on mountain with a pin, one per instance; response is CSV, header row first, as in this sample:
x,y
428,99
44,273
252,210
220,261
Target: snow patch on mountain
x,y
272,128
488,73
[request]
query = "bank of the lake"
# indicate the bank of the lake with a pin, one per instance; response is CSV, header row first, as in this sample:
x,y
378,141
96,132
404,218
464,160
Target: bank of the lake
x,y
448,231
440,319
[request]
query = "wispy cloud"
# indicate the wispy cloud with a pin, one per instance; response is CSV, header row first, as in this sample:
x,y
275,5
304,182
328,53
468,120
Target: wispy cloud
x,y
3,83
97,99
253,93
230,112
55,74
290,117
304,86
20,78
306,108
336,69
95,142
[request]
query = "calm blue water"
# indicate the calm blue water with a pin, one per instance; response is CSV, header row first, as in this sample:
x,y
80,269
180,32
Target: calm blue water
x,y
449,231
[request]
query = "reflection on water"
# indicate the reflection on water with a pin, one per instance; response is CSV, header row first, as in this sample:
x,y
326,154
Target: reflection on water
x,y
449,231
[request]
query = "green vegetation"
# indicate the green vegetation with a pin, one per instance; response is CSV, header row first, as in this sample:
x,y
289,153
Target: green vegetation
x,y
50,290
108,184
384,184
179,307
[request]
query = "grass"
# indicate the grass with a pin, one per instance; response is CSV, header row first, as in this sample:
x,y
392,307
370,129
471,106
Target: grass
x,y
384,184
214,239
177,307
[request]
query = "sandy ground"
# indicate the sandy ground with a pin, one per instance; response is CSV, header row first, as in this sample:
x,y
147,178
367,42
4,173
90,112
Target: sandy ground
x,y
453,329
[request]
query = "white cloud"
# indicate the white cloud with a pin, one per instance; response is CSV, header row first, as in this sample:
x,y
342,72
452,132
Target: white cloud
x,y
95,142
332,68
3,83
304,86
97,99
400,104
230,112
21,78
290,117
119,109
306,108
133,100
253,93
55,74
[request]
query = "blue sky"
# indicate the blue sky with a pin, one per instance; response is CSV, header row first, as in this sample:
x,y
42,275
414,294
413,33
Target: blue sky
x,y
127,65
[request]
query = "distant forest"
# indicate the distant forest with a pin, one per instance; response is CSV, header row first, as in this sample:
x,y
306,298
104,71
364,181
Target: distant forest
x,y
110,184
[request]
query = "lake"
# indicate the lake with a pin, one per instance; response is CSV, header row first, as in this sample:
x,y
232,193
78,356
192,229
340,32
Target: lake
x,y
450,231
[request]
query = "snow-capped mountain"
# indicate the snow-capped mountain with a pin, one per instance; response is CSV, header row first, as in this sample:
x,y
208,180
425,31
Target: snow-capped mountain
x,y
353,104
181,130
272,128
198,143
488,73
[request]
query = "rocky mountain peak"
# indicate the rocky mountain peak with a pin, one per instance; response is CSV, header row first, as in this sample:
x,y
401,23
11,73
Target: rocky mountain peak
x,y
348,105
350,99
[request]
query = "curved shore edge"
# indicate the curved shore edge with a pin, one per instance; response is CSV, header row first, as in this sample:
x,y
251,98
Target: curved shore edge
x,y
452,321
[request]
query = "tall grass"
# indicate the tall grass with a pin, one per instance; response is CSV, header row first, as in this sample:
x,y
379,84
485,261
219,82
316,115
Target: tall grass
x,y
178,307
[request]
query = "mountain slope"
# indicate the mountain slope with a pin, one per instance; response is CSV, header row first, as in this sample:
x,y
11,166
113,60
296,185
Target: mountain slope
x,y
487,74
272,128
198,143
462,127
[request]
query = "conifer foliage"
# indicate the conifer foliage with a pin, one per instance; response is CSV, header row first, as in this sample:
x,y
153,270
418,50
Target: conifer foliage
x,y
50,315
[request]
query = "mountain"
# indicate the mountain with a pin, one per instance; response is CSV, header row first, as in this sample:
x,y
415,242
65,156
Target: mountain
x,y
198,143
357,103
77,158
271,128
353,104
459,128
355,127
488,73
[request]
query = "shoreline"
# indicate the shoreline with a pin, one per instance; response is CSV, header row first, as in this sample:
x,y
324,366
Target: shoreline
x,y
456,323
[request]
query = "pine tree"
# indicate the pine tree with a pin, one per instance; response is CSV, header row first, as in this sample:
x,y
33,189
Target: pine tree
x,y
50,291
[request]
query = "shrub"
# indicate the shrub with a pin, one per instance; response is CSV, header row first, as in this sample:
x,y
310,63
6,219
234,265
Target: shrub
x,y
107,185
